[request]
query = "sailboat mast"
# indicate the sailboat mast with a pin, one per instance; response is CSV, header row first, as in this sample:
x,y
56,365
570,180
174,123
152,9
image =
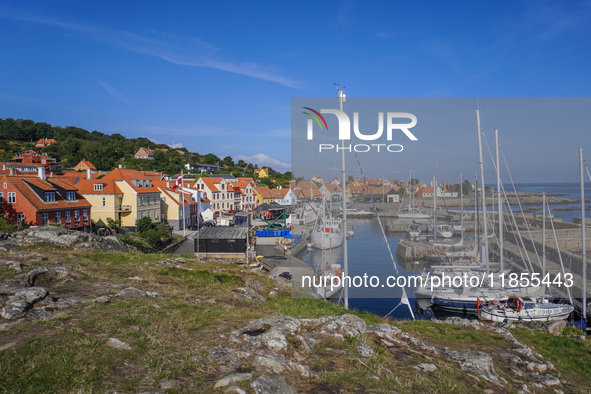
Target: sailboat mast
x,y
435,205
500,203
462,204
543,235
341,93
484,248
584,240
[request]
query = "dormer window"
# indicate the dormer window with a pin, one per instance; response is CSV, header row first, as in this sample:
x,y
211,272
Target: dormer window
x,y
71,196
98,187
49,197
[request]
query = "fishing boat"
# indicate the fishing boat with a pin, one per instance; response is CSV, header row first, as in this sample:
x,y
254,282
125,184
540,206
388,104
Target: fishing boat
x,y
328,234
518,309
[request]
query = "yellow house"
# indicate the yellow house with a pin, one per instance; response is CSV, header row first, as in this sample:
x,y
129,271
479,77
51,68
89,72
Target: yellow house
x,y
261,172
84,165
122,194
263,195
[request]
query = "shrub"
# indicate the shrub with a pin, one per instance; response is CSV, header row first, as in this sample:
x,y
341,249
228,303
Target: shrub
x,y
144,224
5,226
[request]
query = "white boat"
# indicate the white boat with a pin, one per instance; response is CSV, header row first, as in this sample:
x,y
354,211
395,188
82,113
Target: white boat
x,y
413,230
442,230
518,309
330,282
327,234
410,212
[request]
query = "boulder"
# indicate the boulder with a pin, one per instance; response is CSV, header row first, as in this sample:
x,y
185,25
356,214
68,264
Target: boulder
x,y
426,367
364,349
117,344
246,293
474,361
237,377
275,384
556,327
21,301
59,273
130,292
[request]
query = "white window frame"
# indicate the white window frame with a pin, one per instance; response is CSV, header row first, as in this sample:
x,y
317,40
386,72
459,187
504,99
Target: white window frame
x,y
76,215
104,201
68,217
49,196
11,197
45,218
58,217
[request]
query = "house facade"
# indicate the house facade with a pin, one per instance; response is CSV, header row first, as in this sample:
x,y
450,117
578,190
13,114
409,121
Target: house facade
x,y
122,194
38,201
84,165
144,153
217,192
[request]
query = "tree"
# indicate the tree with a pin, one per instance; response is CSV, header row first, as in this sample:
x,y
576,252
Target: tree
x,y
210,158
227,161
241,163
144,224
113,224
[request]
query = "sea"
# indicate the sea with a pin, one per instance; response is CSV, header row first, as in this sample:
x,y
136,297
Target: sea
x,y
372,253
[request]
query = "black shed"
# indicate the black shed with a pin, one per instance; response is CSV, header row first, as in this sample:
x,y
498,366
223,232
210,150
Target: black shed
x,y
216,240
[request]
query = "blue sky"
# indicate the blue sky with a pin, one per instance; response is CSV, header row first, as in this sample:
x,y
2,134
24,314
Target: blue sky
x,y
219,76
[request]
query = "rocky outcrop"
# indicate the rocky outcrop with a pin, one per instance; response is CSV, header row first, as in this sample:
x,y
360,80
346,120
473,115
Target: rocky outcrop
x,y
62,237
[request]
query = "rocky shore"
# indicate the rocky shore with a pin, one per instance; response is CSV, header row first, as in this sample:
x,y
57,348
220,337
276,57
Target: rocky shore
x,y
76,318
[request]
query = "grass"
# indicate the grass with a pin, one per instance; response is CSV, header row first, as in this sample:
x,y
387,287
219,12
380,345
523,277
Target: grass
x,y
170,336
572,357
7,272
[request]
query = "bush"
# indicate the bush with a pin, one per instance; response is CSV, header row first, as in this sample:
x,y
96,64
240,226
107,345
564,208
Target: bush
x,y
144,224
152,237
5,226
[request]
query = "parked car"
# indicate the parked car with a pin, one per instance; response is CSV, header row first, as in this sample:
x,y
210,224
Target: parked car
x,y
208,223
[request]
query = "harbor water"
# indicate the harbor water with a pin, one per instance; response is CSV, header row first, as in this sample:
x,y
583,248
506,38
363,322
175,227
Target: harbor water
x,y
368,254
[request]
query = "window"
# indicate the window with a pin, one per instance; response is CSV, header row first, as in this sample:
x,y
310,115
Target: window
x,y
76,215
104,202
85,214
155,214
20,217
49,196
149,200
45,218
5,185
71,196
67,216
11,197
163,199
141,200
1,197
58,217
98,186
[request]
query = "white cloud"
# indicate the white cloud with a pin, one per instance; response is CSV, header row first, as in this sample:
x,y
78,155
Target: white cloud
x,y
187,51
113,92
265,161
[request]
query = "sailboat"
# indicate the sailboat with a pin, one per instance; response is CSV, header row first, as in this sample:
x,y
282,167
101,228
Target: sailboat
x,y
465,298
526,310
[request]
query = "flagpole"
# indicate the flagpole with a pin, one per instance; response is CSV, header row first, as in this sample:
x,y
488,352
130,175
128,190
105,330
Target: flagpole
x,y
183,207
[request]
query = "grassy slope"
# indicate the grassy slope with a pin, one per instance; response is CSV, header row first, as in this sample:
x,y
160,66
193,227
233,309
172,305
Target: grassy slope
x,y
170,337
